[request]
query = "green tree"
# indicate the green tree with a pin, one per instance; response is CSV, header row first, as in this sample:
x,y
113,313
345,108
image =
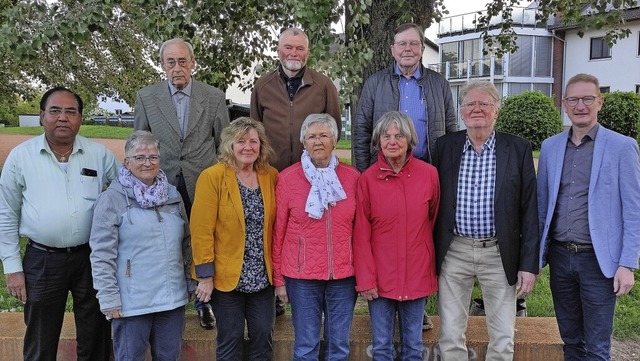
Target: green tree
x,y
531,115
110,47
13,105
621,113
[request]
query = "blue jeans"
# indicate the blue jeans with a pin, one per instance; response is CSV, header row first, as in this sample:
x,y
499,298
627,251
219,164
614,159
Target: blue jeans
x,y
231,310
382,312
584,302
133,335
309,299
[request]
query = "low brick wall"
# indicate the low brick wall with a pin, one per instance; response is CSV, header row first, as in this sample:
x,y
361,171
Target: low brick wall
x,y
537,338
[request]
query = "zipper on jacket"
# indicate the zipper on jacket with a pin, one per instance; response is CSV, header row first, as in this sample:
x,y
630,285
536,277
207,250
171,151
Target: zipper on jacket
x,y
423,100
329,243
300,243
128,271
160,219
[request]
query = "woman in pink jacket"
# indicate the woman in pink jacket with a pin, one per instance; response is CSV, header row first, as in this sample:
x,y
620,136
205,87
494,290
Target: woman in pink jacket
x,y
398,198
312,252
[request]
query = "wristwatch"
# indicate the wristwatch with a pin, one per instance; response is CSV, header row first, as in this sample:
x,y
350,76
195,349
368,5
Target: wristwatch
x,y
630,269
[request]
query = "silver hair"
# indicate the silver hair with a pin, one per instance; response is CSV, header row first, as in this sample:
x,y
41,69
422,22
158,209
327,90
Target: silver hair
x,y
294,32
481,85
321,118
140,139
404,124
176,41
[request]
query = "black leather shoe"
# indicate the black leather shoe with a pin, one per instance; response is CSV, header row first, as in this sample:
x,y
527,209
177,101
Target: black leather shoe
x,y
207,321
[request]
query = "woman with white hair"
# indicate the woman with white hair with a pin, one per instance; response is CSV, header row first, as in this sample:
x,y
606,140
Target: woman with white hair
x,y
312,252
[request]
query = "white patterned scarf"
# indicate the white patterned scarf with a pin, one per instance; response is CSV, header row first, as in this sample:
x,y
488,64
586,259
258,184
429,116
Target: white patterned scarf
x,y
147,196
325,186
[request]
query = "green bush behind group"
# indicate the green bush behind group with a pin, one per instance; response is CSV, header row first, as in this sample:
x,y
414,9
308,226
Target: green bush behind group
x,y
531,115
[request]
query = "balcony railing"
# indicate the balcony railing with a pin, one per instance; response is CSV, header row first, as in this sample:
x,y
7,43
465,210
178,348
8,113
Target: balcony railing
x,y
467,23
490,67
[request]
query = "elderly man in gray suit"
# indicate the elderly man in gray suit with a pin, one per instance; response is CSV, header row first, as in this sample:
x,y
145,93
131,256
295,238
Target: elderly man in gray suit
x,y
187,116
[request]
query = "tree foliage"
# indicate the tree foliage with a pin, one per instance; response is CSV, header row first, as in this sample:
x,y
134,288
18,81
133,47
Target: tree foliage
x,y
621,113
12,106
109,47
530,115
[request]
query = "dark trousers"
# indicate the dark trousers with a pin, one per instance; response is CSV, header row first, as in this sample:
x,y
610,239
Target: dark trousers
x,y
49,278
584,302
231,310
182,189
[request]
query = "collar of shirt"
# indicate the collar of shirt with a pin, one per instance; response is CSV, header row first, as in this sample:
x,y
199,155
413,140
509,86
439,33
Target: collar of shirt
x,y
590,135
44,145
186,91
416,74
490,143
284,76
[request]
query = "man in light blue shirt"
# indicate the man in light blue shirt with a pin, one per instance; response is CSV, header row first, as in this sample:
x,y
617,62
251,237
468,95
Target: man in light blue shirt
x,y
48,187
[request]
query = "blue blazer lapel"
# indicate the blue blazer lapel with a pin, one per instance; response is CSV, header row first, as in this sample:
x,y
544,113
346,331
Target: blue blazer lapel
x,y
558,150
598,154
162,98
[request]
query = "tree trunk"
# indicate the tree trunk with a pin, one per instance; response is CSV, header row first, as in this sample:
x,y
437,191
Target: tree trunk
x,y
384,18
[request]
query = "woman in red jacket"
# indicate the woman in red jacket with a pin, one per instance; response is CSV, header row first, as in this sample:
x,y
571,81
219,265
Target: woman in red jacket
x,y
398,198
312,250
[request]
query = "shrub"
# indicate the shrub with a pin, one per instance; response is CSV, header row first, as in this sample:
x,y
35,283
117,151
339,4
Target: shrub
x,y
621,113
531,115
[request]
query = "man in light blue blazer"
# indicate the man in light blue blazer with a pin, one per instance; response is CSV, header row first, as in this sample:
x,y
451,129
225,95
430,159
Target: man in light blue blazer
x,y
589,219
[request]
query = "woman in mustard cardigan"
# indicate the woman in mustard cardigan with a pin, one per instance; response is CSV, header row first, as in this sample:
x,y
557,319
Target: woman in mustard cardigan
x,y
231,228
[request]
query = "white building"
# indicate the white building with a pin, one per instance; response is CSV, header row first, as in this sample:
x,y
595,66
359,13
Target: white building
x,y
617,67
462,55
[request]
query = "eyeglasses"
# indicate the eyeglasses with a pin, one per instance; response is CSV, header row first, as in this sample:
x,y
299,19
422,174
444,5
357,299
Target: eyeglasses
x,y
398,137
141,159
322,137
403,44
172,63
57,112
472,105
586,100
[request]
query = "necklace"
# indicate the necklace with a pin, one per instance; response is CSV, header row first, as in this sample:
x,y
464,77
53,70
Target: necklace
x,y
63,157
247,180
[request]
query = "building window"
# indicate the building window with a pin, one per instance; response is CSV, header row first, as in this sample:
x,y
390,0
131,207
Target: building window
x,y
638,43
638,89
599,49
605,89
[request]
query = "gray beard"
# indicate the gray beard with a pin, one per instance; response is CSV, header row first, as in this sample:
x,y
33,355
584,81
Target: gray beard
x,y
293,65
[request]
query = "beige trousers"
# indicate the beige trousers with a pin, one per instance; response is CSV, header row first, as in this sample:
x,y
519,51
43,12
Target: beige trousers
x,y
461,265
